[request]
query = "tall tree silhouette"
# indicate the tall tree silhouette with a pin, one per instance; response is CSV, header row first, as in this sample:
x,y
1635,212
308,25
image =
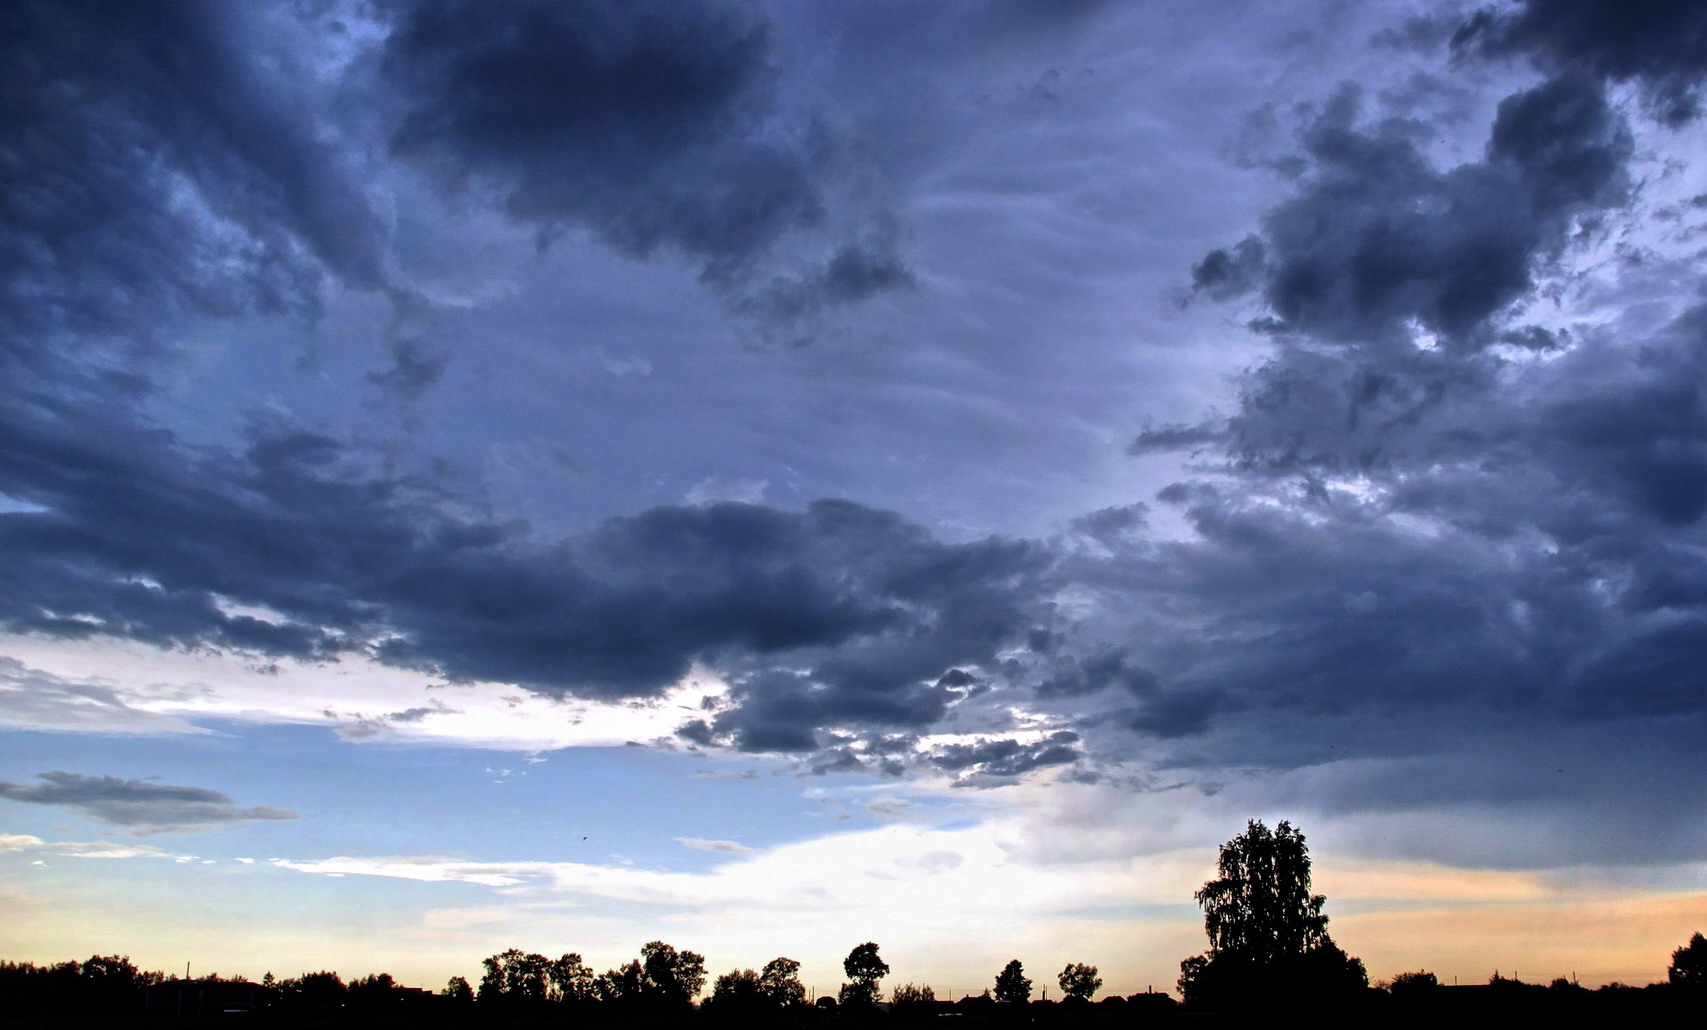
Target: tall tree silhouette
x,y
1265,927
864,968
1012,985
672,977
1261,905
780,983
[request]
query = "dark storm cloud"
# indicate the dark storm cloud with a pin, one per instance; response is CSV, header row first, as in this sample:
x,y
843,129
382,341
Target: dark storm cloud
x,y
1660,44
856,272
1005,757
1423,539
1569,147
1176,437
1328,606
1376,239
173,164
1535,547
948,607
595,91
656,125
1114,524
154,166
782,711
1094,673
1228,272
1634,425
160,175
142,805
297,547
1376,247
192,159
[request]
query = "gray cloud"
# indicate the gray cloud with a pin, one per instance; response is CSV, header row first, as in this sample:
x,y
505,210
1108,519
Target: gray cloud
x,y
856,272
1376,240
1231,271
207,160
142,805
1387,280
155,167
586,111
868,606
657,126
1433,521
1090,674
1005,758
1658,44
415,714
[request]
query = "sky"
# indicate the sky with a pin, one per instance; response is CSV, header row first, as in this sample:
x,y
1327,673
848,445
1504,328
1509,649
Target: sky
x,y
773,476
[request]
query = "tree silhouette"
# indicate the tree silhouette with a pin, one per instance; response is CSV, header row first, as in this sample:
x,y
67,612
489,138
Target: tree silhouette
x,y
780,983
110,972
1261,905
738,993
320,992
572,980
864,968
1689,964
458,991
376,992
672,977
910,995
1265,927
514,977
623,986
1079,981
1413,983
110,982
1012,986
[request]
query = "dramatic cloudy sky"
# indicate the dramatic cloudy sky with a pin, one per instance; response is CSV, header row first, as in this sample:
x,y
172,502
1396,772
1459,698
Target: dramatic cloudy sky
x,y
770,476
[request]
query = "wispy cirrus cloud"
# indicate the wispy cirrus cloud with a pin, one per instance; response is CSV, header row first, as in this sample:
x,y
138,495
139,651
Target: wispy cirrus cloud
x,y
81,849
34,699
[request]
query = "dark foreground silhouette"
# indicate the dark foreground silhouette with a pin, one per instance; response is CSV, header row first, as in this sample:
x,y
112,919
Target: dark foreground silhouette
x,y
1269,953
43,997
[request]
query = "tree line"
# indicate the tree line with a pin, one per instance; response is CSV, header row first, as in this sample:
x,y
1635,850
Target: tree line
x,y
1268,940
662,979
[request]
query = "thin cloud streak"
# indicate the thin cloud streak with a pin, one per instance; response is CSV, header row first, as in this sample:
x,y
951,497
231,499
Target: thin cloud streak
x,y
139,805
